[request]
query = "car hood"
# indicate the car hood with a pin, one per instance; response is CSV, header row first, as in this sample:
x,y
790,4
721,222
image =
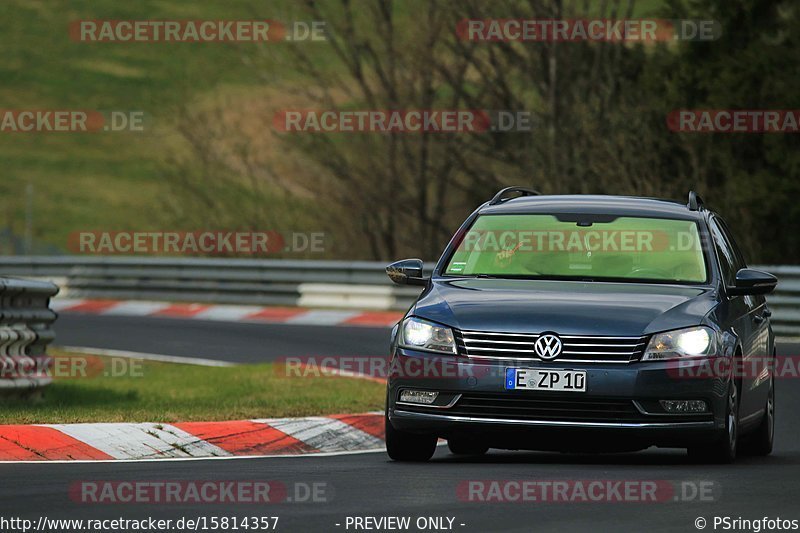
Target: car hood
x,y
565,307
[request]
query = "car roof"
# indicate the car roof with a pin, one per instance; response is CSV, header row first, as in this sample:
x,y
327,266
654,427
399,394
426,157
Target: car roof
x,y
594,204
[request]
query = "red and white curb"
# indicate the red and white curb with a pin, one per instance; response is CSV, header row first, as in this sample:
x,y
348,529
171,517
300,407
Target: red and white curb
x,y
188,440
228,313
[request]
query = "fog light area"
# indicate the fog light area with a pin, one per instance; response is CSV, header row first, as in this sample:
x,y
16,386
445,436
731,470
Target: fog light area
x,y
418,396
684,406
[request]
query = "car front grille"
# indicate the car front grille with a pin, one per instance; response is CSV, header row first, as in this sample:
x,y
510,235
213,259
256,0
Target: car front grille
x,y
551,408
576,348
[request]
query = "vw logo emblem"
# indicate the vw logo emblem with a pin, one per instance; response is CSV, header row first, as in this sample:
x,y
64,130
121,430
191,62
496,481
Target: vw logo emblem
x,y
548,346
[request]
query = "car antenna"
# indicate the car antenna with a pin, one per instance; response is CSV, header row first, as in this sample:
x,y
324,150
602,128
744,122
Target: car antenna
x,y
524,191
695,202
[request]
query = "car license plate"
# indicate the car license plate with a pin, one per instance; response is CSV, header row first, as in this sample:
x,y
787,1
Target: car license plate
x,y
550,380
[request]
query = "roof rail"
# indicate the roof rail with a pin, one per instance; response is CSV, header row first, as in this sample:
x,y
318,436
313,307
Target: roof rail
x,y
695,202
524,191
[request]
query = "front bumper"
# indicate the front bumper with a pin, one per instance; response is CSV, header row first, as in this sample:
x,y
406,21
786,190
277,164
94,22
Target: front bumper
x,y
619,409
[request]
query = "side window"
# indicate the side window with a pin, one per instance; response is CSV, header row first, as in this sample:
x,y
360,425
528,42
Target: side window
x,y
727,258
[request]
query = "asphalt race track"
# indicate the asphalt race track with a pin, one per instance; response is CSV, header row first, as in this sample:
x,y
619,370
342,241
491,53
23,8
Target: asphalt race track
x,y
224,341
370,485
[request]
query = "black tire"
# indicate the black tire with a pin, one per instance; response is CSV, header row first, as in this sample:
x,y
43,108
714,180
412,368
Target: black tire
x,y
465,447
408,447
760,441
722,450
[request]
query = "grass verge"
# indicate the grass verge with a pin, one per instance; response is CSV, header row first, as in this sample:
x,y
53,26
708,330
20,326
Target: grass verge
x,y
149,391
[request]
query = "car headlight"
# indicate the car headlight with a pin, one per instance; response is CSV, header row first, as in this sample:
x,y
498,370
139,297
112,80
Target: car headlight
x,y
688,342
419,334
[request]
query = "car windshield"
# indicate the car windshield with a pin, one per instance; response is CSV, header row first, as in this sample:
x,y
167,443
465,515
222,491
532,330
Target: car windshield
x,y
598,247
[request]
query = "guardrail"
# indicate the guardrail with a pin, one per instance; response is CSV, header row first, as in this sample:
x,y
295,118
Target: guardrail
x,y
785,301
25,331
341,284
347,284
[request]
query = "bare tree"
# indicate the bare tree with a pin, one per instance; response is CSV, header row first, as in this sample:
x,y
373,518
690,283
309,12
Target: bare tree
x,y
598,108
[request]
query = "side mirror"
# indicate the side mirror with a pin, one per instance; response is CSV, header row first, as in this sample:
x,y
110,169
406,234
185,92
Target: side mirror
x,y
749,281
406,272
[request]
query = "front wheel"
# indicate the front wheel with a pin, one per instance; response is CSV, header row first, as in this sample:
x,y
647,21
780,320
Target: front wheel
x,y
408,447
760,442
723,449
